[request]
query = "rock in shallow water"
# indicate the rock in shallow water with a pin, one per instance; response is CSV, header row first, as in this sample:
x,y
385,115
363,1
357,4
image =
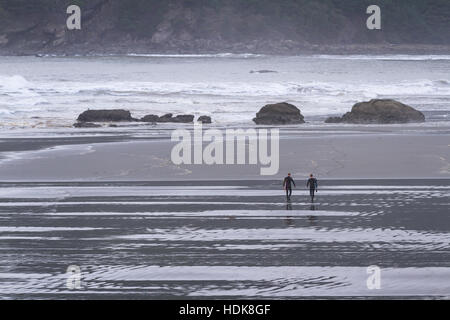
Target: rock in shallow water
x,y
263,71
150,118
165,118
105,115
379,111
204,119
279,113
183,118
86,125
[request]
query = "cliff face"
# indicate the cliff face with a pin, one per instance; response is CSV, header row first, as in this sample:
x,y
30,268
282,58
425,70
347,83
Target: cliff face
x,y
283,26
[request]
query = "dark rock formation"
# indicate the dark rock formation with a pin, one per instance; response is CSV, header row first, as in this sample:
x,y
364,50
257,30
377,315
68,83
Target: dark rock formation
x,y
204,119
86,125
183,118
166,118
381,111
105,115
150,118
279,113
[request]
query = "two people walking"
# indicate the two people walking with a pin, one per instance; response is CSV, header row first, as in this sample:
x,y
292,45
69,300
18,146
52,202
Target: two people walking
x,y
311,184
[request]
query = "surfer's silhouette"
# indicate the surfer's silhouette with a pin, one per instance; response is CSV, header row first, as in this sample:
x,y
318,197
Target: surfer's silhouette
x,y
287,185
312,184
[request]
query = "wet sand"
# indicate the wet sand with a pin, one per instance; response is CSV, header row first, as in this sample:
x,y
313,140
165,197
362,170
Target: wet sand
x,y
210,239
338,155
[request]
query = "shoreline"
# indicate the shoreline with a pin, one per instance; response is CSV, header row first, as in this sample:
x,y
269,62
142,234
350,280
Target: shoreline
x,y
329,156
328,182
313,49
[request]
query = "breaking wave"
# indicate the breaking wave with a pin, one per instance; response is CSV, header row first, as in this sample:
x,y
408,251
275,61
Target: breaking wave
x,y
221,87
393,57
216,55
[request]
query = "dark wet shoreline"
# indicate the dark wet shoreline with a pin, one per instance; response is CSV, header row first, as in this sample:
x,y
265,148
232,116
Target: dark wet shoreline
x,y
173,240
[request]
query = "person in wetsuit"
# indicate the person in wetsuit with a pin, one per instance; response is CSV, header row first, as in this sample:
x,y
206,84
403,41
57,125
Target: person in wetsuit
x,y
312,184
287,185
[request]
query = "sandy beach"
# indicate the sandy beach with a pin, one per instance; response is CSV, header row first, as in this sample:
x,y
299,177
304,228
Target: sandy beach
x,y
330,152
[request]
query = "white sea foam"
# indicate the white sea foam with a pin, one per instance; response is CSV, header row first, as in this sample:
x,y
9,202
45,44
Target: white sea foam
x,y
110,191
218,280
226,214
226,100
394,57
45,229
289,280
15,83
431,241
146,90
217,55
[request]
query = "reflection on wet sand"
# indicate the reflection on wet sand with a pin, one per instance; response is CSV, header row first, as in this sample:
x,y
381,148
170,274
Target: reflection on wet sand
x,y
189,240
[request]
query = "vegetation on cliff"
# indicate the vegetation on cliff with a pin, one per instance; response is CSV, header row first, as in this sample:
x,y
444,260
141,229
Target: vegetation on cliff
x,y
172,23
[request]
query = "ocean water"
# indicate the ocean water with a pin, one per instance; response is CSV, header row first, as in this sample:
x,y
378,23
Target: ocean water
x,y
51,91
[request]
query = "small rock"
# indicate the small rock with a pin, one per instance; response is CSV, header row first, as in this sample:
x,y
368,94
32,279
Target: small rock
x,y
184,118
165,118
86,125
150,118
204,119
263,71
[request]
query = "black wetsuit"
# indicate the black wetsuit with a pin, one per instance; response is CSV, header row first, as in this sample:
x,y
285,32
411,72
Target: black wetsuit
x,y
287,184
312,184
